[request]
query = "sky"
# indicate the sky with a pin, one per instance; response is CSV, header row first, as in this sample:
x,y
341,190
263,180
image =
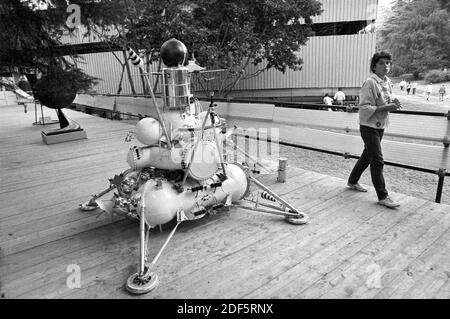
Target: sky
x,y
383,6
384,3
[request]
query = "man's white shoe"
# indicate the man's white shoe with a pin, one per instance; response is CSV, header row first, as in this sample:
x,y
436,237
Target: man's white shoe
x,y
356,187
388,202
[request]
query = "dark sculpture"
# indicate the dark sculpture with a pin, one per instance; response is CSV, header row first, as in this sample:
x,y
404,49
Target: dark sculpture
x,y
56,91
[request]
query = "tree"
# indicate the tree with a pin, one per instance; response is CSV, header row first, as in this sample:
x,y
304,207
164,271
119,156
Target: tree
x,y
445,4
29,37
223,34
417,33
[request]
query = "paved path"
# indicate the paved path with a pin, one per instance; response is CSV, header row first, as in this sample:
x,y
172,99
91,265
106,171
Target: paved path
x,y
418,102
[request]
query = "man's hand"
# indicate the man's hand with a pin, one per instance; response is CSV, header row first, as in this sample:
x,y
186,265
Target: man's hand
x,y
397,103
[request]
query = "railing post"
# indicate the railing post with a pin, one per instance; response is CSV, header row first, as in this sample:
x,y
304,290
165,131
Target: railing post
x,y
441,173
282,163
235,141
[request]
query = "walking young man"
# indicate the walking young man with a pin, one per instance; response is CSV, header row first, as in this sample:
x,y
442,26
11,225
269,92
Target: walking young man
x,y
374,107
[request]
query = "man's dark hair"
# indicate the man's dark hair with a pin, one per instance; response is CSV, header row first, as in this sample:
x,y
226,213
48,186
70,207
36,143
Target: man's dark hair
x,y
377,56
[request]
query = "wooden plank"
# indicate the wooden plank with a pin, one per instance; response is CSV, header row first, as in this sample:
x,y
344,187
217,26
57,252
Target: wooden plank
x,y
416,155
84,99
136,233
21,261
251,110
317,119
215,235
37,156
109,279
401,125
425,270
420,250
431,272
72,250
43,185
20,228
315,260
196,280
55,233
444,291
431,127
138,105
29,177
104,102
355,276
44,195
233,254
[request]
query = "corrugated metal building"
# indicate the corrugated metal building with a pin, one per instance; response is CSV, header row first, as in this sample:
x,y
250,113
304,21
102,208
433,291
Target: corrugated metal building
x,y
337,57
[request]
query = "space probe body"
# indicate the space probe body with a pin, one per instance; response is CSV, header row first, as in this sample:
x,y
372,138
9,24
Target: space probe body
x,y
180,167
182,170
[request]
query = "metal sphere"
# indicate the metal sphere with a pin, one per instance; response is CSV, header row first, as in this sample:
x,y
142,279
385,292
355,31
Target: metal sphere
x,y
55,92
174,53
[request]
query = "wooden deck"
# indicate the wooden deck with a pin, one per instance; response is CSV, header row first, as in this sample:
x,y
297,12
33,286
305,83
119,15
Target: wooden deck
x,y
352,248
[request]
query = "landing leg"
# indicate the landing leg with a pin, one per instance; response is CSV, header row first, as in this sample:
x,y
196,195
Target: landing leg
x,y
292,215
91,204
114,183
146,280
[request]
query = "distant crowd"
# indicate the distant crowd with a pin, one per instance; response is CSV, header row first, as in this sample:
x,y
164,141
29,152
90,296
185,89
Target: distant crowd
x,y
411,88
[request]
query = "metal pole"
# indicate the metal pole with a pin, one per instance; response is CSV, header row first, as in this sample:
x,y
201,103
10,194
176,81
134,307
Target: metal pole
x,y
441,174
165,244
195,148
42,115
237,148
234,141
278,198
216,137
282,170
142,241
265,211
160,117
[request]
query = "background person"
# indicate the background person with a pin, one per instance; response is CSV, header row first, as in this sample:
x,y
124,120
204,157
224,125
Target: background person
x,y
408,87
327,100
374,107
442,92
428,91
414,88
402,84
339,97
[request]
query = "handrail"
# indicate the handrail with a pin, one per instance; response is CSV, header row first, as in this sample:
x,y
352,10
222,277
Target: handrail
x,y
442,173
287,104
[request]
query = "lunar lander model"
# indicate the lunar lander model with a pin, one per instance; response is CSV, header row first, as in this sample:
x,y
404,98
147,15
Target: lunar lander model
x,y
181,172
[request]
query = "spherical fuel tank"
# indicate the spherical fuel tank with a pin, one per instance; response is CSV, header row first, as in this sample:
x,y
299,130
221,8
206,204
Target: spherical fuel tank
x,y
148,131
174,53
162,201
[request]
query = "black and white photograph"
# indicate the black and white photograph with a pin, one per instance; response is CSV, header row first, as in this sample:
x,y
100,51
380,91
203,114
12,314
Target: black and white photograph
x,y
225,155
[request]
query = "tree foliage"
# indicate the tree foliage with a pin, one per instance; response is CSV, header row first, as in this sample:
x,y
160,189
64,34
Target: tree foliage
x,y
29,38
222,34
417,33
